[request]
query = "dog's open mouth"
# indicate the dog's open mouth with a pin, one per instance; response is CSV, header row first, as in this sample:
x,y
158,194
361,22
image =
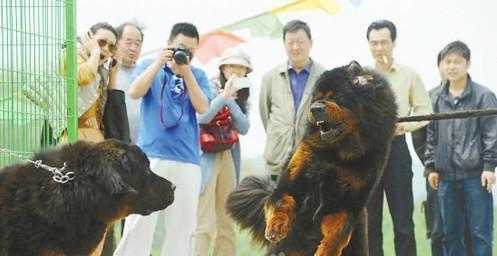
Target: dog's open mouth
x,y
330,130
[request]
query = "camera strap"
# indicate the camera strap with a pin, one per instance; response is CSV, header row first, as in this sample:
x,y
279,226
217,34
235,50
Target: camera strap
x,y
183,94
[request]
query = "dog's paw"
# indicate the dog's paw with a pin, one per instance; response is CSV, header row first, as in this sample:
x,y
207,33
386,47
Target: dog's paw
x,y
277,228
279,217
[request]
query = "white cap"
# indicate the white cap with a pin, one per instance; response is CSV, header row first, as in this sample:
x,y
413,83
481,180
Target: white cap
x,y
235,56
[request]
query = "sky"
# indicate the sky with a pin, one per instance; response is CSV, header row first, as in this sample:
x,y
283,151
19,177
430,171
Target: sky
x,y
424,28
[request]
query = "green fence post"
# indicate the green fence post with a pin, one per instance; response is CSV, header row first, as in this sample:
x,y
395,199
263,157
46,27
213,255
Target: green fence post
x,y
71,69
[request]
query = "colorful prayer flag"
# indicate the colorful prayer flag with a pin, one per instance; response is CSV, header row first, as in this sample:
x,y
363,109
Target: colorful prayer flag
x,y
262,25
331,7
214,43
355,2
265,24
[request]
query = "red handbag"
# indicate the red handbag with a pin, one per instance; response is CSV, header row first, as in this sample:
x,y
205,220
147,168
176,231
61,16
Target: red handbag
x,y
220,134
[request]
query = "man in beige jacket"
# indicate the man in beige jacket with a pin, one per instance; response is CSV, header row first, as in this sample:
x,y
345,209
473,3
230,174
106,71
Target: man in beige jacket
x,y
396,183
286,95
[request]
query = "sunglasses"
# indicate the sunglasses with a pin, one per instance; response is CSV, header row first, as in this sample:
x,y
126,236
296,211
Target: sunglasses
x,y
112,47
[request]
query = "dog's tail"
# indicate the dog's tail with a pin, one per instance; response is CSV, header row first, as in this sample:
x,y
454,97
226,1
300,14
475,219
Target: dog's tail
x,y
246,205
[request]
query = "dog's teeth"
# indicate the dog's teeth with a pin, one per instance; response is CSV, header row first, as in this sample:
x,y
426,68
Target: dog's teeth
x,y
319,122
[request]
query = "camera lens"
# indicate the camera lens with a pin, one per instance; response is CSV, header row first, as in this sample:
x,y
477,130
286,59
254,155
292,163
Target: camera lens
x,y
180,57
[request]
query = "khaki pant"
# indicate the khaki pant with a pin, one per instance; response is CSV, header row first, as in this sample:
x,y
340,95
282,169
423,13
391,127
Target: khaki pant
x,y
212,210
179,219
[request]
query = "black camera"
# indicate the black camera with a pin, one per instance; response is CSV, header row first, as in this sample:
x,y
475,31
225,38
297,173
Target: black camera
x,y
180,54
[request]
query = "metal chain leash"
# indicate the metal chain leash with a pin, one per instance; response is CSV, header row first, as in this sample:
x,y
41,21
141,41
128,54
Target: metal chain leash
x,y
58,173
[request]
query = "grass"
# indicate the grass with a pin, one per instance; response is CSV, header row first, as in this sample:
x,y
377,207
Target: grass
x,y
245,247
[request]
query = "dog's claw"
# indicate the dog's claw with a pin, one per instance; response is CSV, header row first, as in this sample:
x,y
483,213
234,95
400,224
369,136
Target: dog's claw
x,y
272,236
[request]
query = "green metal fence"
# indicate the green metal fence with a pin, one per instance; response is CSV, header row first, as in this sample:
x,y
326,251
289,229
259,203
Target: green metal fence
x,y
37,103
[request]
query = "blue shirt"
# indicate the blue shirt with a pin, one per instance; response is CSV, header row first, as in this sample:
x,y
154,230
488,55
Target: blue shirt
x,y
298,82
177,143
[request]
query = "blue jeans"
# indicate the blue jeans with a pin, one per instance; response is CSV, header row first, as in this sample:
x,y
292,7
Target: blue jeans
x,y
459,199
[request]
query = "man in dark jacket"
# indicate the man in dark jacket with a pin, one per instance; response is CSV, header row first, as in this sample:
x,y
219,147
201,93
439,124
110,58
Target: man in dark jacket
x,y
431,206
461,155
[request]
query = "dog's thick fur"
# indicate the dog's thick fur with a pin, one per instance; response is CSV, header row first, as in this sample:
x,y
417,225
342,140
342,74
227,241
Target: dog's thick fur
x,y
112,179
317,205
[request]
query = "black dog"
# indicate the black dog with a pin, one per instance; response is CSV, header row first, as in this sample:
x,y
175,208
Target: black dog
x,y
317,206
39,216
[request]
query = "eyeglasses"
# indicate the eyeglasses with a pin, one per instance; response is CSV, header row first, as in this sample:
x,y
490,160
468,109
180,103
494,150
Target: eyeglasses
x,y
375,43
299,42
112,47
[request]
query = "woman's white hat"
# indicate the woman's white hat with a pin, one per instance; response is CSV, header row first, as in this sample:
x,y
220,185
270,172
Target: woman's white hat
x,y
235,56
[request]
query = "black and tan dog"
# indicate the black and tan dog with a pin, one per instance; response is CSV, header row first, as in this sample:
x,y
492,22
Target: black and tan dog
x,y
316,207
39,216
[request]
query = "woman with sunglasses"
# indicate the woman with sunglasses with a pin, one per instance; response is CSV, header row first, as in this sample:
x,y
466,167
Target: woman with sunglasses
x,y
97,46
96,81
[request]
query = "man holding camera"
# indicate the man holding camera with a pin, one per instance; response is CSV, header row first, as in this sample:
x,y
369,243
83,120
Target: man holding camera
x,y
172,92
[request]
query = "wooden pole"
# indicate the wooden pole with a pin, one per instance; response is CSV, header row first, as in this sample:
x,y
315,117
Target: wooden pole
x,y
450,115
